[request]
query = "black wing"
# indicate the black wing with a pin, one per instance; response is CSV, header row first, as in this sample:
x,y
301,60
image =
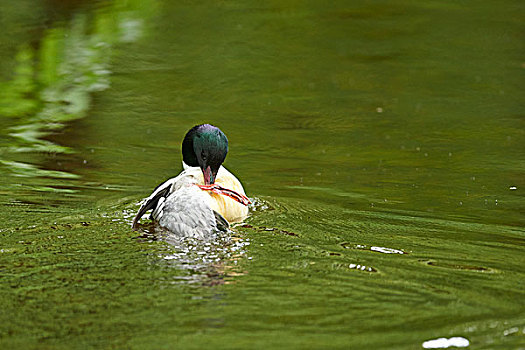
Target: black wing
x,y
161,192
221,222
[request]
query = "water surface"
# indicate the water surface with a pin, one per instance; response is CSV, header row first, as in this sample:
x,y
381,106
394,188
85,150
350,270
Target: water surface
x,y
382,145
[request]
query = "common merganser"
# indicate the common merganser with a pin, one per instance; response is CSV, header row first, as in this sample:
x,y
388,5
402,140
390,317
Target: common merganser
x,y
205,197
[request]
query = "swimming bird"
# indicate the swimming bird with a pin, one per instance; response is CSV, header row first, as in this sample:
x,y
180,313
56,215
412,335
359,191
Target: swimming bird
x,y
205,197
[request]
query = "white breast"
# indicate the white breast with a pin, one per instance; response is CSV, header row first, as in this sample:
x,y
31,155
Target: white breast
x,y
229,208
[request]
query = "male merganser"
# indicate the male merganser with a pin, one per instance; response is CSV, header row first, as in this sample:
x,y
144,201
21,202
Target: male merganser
x,y
205,197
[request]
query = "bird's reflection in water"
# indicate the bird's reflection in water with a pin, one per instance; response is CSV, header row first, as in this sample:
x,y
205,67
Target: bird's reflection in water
x,y
202,261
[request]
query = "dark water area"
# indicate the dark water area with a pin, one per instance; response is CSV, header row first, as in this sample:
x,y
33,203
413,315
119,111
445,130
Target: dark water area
x,y
382,144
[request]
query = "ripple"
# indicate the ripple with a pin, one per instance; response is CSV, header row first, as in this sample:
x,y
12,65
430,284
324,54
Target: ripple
x,y
384,250
259,204
458,266
269,229
205,261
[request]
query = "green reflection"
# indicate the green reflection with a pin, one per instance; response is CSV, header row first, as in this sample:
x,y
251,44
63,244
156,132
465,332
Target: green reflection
x,y
53,82
16,95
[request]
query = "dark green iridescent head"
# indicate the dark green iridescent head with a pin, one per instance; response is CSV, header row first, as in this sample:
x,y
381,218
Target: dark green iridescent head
x,y
205,146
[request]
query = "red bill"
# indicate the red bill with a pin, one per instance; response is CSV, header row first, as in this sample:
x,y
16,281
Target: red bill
x,y
226,192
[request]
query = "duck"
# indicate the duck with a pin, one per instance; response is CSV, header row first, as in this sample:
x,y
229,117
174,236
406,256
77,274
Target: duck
x,y
205,198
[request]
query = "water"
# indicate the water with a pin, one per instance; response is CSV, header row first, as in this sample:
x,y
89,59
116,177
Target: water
x,y
382,145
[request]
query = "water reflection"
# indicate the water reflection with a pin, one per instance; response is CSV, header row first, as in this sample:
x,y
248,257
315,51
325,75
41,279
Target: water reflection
x,y
204,261
54,79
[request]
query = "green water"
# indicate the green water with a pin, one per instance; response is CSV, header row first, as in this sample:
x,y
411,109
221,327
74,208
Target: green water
x,y
381,142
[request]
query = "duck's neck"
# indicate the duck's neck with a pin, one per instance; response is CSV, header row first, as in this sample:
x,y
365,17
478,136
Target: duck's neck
x,y
185,166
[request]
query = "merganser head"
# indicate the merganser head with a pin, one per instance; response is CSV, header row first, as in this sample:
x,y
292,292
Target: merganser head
x,y
205,146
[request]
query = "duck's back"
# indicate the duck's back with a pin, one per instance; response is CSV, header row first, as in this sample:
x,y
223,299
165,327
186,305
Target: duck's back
x,y
187,212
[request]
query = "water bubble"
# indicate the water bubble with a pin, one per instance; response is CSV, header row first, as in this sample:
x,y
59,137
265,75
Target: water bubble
x,y
510,331
443,343
386,250
362,267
